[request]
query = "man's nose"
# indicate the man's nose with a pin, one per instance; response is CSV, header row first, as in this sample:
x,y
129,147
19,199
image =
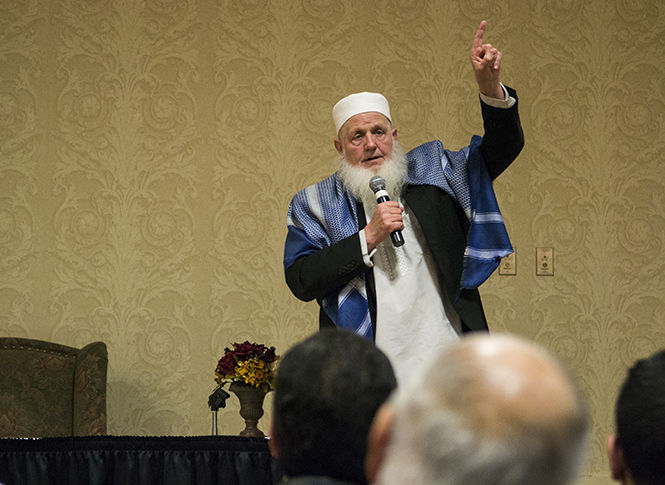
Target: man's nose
x,y
370,142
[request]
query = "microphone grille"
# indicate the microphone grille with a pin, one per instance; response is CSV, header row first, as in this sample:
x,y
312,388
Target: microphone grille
x,y
377,183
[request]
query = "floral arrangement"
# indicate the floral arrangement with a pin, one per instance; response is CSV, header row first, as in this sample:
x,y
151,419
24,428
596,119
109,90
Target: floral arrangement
x,y
247,363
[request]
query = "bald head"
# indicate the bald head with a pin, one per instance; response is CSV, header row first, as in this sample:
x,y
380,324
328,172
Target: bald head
x,y
490,409
501,386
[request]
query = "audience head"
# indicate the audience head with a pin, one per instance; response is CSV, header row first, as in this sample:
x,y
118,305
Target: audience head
x,y
637,450
327,391
489,409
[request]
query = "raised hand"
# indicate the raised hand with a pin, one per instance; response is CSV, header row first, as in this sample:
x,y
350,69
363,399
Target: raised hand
x,y
486,62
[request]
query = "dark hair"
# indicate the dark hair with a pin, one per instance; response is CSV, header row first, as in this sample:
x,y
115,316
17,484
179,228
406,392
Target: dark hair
x,y
640,420
327,391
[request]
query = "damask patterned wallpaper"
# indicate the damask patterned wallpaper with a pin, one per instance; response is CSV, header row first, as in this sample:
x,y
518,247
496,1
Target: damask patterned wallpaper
x,y
149,149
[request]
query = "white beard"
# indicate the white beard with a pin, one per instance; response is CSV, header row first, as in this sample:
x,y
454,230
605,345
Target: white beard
x,y
356,178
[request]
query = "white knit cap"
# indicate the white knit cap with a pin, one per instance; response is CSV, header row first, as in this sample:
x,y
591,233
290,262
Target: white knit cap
x,y
358,103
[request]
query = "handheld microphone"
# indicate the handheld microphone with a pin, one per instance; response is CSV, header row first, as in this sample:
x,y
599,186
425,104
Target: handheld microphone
x,y
378,186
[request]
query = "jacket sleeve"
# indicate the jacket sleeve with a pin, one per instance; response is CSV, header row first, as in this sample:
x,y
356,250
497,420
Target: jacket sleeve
x,y
320,272
503,139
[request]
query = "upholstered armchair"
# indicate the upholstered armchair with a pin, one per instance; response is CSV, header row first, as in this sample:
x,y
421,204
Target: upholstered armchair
x,y
48,389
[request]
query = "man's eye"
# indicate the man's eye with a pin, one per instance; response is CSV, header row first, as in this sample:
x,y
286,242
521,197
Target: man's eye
x,y
356,139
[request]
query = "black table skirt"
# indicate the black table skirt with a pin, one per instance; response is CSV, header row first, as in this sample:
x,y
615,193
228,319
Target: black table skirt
x,y
125,460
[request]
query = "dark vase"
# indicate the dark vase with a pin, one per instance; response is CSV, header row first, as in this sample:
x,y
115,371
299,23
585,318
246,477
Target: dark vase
x,y
251,407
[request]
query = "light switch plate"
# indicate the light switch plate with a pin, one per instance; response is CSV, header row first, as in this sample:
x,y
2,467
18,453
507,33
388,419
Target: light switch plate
x,y
544,261
508,265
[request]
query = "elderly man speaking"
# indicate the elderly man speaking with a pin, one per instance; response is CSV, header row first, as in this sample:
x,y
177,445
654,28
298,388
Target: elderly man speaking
x,y
408,277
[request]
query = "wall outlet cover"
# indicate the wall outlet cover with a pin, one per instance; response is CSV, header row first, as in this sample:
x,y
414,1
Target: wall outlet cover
x,y
508,265
544,261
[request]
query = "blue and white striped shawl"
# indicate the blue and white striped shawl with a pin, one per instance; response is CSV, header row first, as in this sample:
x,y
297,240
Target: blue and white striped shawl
x,y
325,213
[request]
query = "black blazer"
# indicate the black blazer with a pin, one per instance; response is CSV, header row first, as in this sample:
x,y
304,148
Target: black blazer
x,y
444,225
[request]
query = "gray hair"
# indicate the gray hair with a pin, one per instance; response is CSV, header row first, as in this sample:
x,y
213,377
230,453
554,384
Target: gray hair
x,y
491,410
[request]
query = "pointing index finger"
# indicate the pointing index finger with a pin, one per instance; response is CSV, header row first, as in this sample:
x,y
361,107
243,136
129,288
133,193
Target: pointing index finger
x,y
478,39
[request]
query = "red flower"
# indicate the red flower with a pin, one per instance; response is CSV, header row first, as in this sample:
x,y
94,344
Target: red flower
x,y
246,350
226,364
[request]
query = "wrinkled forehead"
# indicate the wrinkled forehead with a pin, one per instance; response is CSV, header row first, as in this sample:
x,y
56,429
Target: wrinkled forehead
x,y
365,121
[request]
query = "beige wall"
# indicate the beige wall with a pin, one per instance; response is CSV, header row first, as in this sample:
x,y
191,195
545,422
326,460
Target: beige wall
x,y
148,151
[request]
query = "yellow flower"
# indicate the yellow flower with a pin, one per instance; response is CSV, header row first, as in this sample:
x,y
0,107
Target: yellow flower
x,y
252,371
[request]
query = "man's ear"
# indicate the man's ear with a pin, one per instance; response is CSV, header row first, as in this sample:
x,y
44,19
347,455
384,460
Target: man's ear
x,y
272,443
394,133
378,440
617,465
338,146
